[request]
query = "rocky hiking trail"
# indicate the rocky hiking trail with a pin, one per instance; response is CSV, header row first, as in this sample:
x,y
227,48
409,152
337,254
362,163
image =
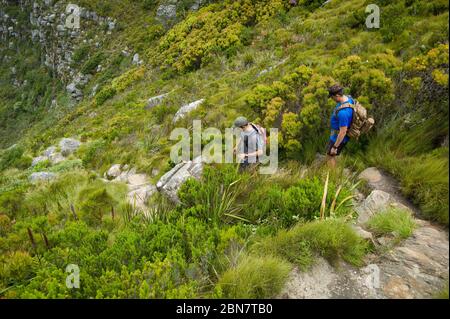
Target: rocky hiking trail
x,y
415,268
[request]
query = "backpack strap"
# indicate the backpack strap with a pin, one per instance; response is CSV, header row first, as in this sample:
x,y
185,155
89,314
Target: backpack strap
x,y
346,105
255,128
258,131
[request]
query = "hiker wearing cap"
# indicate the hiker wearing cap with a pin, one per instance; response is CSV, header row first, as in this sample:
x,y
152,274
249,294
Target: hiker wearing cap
x,y
341,120
251,142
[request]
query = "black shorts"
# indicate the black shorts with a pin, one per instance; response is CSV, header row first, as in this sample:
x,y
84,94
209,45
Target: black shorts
x,y
339,149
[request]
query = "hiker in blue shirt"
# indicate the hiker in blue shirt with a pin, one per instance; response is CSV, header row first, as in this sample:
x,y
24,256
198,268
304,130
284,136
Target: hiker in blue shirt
x,y
341,119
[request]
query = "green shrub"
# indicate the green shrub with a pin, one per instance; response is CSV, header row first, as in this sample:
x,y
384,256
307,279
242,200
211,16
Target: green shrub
x,y
286,245
105,93
80,54
16,267
94,203
91,153
301,201
5,224
67,165
215,197
14,157
11,202
91,65
255,278
123,81
217,28
397,222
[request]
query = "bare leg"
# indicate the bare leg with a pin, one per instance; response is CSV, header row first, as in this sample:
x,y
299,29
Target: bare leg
x,y
331,160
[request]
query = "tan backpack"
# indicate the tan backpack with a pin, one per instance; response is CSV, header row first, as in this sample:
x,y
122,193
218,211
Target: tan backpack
x,y
361,123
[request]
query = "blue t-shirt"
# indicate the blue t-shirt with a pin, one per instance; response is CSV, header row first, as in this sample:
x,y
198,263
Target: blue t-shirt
x,y
343,118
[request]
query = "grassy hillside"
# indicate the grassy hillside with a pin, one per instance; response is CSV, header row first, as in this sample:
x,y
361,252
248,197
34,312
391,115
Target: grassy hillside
x,y
203,248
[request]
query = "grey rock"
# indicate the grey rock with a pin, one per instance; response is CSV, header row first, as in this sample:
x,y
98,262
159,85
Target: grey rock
x,y
185,109
137,60
68,146
371,175
56,158
155,172
167,11
41,176
154,101
49,151
377,201
362,233
94,90
417,268
114,171
170,183
71,88
111,25
38,160
197,4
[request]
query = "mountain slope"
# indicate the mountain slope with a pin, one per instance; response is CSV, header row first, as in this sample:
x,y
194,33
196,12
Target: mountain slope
x,y
266,60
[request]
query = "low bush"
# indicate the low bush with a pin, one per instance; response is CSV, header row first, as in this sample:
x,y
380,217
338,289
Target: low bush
x,y
301,201
14,157
94,203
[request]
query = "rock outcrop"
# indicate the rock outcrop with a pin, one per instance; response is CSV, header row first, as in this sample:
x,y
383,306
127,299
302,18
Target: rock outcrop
x,y
154,101
185,109
415,268
170,183
41,176
67,147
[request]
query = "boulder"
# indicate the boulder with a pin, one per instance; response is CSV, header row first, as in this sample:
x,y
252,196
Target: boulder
x,y
56,158
41,176
38,160
376,202
68,146
114,171
371,175
170,183
136,59
154,101
167,11
71,88
197,4
185,109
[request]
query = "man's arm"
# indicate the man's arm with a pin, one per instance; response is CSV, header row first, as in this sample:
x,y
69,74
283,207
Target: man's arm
x,y
259,151
341,136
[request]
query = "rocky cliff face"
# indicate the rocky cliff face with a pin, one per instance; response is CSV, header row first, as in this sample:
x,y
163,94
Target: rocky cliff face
x,y
61,28
55,27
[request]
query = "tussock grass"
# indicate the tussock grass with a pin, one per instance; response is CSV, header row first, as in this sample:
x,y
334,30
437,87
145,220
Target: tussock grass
x,y
255,277
398,222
